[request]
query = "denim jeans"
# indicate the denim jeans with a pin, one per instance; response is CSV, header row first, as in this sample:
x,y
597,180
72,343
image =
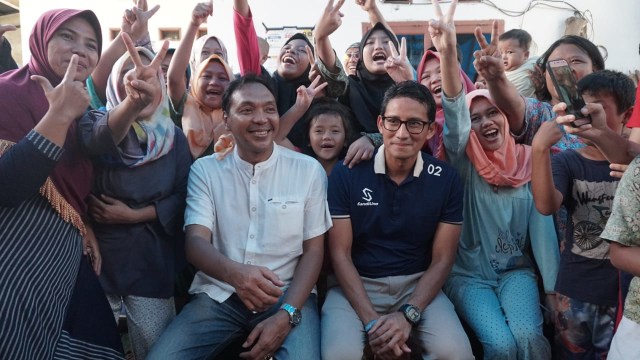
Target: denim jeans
x,y
206,327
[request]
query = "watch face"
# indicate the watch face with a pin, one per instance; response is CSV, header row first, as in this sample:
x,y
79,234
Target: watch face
x,y
412,313
295,318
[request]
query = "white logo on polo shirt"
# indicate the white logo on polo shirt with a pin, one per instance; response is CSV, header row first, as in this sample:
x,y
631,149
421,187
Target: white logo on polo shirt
x,y
367,197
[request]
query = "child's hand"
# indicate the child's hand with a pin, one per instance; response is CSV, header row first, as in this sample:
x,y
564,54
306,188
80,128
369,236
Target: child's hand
x,y
617,170
587,131
488,61
442,29
547,136
305,94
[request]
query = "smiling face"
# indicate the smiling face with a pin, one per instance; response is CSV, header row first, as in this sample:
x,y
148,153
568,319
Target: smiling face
x,y
401,144
253,120
327,136
293,60
211,84
375,52
352,56
512,54
488,123
431,78
76,36
578,60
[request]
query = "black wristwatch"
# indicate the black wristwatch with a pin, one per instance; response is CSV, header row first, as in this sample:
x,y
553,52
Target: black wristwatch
x,y
412,313
295,316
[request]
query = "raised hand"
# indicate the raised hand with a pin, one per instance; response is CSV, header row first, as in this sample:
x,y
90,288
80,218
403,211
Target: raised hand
x,y
488,61
135,20
398,65
442,29
305,94
367,5
201,12
330,20
141,83
547,136
70,98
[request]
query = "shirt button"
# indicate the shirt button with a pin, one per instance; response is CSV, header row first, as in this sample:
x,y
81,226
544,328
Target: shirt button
x,y
248,262
253,208
284,206
251,236
253,181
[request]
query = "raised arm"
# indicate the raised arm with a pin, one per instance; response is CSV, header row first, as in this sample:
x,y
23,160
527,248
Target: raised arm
x,y
142,87
545,195
135,24
246,38
328,23
177,83
375,16
6,60
488,63
443,35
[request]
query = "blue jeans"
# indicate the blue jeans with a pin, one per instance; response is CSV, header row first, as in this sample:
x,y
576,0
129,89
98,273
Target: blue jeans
x,y
206,327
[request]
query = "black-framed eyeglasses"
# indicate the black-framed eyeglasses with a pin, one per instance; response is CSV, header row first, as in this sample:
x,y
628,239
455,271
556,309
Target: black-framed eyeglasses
x,y
393,123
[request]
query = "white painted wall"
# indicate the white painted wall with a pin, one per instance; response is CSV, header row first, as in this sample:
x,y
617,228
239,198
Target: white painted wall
x,y
616,23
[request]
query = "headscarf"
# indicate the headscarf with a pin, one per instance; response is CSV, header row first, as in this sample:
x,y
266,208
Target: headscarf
x,y
199,121
23,104
156,132
366,90
286,91
435,144
510,165
197,50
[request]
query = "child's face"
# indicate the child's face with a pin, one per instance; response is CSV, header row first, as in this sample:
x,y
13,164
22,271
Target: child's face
x,y
615,120
375,52
327,136
512,54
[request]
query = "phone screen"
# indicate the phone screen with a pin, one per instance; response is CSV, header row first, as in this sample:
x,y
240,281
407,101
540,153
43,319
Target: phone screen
x,y
567,89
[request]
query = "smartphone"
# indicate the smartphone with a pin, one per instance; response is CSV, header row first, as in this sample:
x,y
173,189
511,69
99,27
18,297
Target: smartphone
x,y
567,90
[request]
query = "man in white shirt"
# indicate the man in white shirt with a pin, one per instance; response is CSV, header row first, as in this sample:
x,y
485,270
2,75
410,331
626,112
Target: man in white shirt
x,y
254,224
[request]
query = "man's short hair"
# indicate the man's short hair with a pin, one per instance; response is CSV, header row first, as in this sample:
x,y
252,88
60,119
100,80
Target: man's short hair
x,y
239,83
608,82
412,90
523,37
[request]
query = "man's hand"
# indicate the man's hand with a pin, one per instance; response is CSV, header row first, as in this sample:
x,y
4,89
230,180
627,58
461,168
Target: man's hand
x,y
397,65
389,335
69,98
257,286
267,337
488,61
547,136
359,150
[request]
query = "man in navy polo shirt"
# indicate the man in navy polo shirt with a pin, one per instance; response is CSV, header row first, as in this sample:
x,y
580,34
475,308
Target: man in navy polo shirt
x,y
396,224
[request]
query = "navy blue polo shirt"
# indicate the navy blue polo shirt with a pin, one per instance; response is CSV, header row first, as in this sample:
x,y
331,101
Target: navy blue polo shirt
x,y
393,225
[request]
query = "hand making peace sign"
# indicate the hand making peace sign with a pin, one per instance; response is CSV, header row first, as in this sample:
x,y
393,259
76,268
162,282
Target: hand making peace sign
x,y
488,61
398,65
442,29
142,83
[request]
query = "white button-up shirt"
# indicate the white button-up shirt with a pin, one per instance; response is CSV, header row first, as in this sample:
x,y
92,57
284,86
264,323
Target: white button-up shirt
x,y
258,214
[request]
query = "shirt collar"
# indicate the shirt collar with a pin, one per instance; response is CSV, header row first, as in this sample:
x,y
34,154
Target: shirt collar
x,y
379,164
261,165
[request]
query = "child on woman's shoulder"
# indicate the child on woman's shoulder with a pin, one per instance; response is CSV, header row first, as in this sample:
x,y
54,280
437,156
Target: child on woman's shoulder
x,y
514,47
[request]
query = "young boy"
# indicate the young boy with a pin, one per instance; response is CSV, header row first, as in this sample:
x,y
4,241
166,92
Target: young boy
x,y
514,48
587,285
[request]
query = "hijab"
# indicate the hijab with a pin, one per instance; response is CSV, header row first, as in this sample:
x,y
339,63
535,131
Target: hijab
x,y
155,134
510,165
435,144
198,45
366,90
286,92
199,122
23,104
